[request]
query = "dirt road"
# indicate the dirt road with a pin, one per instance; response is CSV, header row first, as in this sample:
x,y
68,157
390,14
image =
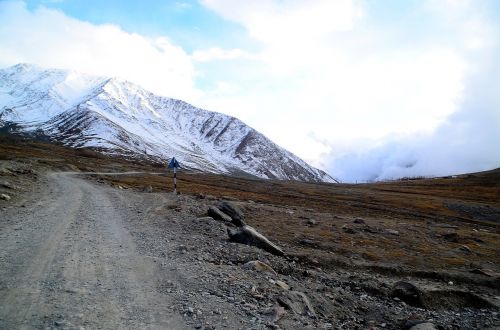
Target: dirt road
x,y
68,261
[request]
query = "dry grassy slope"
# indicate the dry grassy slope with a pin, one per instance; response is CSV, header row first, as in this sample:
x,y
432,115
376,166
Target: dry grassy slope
x,y
421,212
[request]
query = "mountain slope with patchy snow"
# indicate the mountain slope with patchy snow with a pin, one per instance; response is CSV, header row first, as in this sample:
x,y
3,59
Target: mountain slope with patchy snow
x,y
121,118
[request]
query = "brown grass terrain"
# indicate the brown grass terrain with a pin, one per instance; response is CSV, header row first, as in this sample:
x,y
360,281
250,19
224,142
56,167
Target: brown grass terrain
x,y
421,226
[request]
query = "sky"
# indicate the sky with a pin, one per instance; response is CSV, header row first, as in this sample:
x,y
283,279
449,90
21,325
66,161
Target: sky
x,y
363,89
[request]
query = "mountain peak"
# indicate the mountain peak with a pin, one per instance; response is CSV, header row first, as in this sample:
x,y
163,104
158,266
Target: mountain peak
x,y
121,118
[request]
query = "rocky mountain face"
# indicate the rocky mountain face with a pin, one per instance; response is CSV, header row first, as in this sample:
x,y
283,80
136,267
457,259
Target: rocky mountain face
x,y
120,118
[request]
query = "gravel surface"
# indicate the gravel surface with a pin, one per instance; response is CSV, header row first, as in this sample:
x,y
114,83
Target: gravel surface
x,y
78,254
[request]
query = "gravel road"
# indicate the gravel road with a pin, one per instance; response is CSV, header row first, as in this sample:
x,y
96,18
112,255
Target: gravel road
x,y
68,261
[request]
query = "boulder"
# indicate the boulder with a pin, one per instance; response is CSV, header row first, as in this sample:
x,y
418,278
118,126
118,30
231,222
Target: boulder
x,y
237,216
249,236
217,214
408,293
259,266
297,302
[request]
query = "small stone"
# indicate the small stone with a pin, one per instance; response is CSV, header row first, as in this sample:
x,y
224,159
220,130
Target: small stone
x,y
148,189
392,232
282,285
5,197
423,326
275,313
348,230
259,266
7,185
465,248
297,302
311,222
190,310
359,221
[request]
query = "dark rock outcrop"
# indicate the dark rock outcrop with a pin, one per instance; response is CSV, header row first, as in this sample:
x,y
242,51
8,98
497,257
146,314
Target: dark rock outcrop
x,y
249,236
237,216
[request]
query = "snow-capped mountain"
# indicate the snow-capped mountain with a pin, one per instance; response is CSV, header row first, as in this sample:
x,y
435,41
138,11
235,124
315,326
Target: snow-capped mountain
x,y
121,118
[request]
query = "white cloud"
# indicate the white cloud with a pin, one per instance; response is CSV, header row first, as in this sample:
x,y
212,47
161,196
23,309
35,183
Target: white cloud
x,y
51,39
216,53
467,140
331,68
285,21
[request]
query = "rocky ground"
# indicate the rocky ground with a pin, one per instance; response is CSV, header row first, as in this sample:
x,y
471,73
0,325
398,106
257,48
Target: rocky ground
x,y
90,251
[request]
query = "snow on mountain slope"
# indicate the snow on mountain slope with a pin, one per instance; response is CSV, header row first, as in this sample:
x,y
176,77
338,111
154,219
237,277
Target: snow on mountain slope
x,y
121,118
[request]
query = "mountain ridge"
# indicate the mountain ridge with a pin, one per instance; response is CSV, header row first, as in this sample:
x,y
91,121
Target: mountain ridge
x,y
121,118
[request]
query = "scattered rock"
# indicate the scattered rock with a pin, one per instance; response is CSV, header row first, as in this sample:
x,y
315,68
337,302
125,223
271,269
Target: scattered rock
x,y
5,197
408,293
237,216
311,222
275,313
217,214
348,230
7,185
148,189
206,220
282,285
465,249
297,302
260,267
249,236
308,242
371,230
359,221
5,171
450,237
392,232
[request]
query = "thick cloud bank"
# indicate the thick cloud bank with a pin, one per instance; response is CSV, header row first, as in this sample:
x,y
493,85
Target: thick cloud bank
x,y
468,141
